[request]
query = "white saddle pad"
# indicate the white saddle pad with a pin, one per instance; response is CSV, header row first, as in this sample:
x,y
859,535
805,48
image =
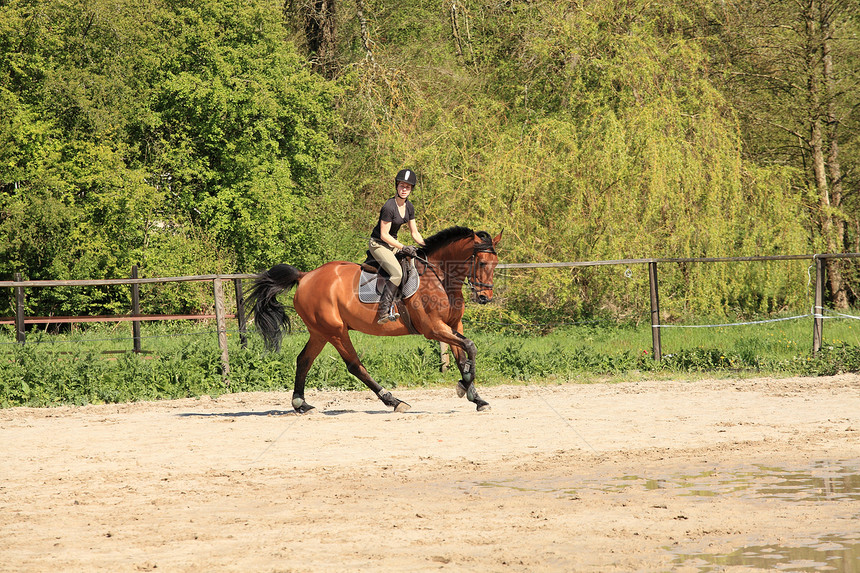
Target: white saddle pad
x,y
370,285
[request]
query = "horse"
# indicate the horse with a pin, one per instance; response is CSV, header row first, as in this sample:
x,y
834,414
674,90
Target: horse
x,y
326,299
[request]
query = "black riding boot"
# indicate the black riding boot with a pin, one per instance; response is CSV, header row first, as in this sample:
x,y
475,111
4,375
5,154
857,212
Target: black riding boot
x,y
386,311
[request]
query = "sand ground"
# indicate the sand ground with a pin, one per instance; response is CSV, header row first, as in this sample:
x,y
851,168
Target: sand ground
x,y
646,476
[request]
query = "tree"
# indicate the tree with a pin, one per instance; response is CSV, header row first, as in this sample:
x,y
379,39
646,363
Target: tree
x,y
138,132
790,69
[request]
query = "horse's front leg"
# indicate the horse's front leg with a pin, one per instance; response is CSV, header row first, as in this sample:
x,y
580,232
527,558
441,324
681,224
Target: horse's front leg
x,y
465,358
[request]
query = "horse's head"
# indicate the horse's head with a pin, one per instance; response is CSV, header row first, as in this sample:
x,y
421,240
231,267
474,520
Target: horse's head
x,y
484,261
464,254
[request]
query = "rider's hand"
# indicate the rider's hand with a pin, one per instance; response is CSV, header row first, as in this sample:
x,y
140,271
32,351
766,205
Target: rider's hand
x,y
409,251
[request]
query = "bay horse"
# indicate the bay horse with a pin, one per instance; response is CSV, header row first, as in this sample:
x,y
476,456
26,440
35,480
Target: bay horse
x,y
326,299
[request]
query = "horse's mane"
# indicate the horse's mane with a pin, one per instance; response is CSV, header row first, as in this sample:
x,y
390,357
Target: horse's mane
x,y
452,234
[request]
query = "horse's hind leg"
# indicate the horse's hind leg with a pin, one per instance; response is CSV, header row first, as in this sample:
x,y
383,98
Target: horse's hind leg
x,y
343,345
303,364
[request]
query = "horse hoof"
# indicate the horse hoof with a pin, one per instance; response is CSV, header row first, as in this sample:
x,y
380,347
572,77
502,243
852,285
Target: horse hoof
x,y
402,407
301,407
484,408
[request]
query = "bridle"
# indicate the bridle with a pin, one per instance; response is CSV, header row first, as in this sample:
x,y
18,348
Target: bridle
x,y
472,277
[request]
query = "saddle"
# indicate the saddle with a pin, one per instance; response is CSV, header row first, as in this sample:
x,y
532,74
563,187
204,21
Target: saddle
x,y
372,280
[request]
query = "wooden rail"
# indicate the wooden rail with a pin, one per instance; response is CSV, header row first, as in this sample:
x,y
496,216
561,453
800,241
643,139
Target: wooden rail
x,y
220,316
130,281
21,320
110,318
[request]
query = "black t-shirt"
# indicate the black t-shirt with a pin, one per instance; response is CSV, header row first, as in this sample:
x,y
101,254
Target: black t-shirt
x,y
390,213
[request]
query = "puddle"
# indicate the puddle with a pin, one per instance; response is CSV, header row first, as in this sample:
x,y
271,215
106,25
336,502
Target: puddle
x,y
820,482
823,481
826,482
829,553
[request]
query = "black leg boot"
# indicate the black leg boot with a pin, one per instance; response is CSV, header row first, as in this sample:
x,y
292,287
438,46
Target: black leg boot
x,y
384,313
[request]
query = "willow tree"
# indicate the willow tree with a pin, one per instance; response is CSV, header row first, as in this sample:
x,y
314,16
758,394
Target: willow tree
x,y
587,131
617,145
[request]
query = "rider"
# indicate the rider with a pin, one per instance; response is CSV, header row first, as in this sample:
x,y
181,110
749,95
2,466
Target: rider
x,y
383,244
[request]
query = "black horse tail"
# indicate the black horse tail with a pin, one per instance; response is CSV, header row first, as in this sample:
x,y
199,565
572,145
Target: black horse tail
x,y
269,315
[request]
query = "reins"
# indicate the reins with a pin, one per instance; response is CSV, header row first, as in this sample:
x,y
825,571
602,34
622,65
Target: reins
x,y
428,265
472,275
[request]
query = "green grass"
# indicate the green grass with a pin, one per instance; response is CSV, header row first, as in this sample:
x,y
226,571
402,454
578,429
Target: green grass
x,y
95,365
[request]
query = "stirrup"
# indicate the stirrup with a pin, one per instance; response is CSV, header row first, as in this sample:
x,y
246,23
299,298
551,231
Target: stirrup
x,y
391,316
392,312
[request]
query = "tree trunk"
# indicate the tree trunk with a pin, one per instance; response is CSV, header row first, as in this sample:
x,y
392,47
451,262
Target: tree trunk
x,y
318,18
816,135
838,288
320,29
832,231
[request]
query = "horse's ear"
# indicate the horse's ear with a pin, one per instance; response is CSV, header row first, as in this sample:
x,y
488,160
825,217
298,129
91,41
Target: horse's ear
x,y
498,238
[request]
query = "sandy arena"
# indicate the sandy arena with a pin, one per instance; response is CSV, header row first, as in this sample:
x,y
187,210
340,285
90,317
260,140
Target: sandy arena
x,y
717,475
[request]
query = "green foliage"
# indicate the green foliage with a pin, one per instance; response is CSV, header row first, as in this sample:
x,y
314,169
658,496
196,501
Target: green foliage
x,y
193,138
186,138
240,129
832,359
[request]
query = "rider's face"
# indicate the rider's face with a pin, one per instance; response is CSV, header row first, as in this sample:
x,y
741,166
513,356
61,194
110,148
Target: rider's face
x,y
403,189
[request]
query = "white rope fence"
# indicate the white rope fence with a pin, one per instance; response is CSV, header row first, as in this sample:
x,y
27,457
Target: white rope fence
x,y
730,323
840,315
813,314
810,315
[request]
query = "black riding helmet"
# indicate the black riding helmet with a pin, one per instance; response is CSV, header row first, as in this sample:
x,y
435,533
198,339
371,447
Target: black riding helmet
x,y
406,175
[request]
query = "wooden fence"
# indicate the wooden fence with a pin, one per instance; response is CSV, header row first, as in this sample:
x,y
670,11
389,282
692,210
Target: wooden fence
x,y
657,353
20,320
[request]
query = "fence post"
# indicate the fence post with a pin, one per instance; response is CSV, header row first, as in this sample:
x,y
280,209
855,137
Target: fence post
x,y
135,310
818,308
240,312
221,325
445,356
20,329
655,311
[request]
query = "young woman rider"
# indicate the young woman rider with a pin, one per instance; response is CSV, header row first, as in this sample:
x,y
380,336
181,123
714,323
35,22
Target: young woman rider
x,y
383,244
